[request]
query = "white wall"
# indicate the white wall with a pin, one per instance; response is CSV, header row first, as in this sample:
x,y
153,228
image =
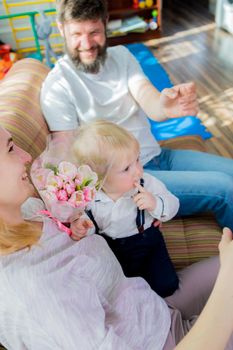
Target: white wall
x,y
212,6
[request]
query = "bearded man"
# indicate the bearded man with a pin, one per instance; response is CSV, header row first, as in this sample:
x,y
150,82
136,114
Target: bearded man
x,y
93,81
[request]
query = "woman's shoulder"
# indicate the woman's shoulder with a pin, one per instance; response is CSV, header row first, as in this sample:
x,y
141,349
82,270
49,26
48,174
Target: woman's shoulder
x,y
55,251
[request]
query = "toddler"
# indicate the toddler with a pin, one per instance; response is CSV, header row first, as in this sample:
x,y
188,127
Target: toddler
x,y
128,205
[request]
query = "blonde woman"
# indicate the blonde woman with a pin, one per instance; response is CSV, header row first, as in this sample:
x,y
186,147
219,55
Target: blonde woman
x,y
57,293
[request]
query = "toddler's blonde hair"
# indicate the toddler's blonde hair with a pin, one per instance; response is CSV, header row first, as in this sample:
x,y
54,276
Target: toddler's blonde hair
x,y
101,143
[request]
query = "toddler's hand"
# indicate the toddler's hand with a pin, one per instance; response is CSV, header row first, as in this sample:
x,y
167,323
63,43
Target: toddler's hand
x,y
80,228
144,199
157,223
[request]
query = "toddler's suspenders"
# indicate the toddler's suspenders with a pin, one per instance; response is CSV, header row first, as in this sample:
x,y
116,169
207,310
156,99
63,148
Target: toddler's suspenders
x,y
140,219
91,217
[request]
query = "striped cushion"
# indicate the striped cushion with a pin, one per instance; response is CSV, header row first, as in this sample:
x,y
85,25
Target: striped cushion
x,y
20,111
188,239
191,239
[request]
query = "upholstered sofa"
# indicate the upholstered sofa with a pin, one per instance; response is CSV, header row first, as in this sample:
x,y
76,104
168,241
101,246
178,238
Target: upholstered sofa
x,y
188,239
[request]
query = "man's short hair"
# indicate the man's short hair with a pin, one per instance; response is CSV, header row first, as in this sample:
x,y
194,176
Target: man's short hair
x,y
81,10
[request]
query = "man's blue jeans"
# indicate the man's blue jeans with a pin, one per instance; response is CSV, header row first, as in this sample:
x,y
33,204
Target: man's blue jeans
x,y
201,181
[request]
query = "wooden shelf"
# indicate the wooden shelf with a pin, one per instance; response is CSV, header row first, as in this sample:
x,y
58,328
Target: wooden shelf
x,y
121,9
129,11
134,37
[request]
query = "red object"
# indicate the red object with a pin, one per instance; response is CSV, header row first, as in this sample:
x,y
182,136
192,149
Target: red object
x,y
60,225
7,58
135,4
4,67
5,50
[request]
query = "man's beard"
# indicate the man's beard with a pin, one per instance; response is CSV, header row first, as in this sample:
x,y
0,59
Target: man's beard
x,y
92,67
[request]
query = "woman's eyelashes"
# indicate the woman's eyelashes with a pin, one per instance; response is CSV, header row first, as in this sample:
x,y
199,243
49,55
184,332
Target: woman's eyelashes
x,y
11,148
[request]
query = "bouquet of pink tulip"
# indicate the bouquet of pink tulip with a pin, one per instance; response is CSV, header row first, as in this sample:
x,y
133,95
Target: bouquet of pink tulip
x,y
65,189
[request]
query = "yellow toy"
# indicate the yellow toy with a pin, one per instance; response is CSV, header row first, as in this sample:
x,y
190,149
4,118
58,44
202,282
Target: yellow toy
x,y
142,4
149,3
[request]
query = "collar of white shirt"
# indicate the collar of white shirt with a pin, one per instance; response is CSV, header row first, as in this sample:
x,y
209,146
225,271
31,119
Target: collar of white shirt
x,y
101,196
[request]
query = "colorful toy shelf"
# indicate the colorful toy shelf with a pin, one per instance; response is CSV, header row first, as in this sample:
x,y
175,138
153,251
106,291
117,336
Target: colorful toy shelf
x,y
23,26
123,9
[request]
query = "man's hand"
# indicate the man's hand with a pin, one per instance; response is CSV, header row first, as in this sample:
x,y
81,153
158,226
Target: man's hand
x,y
80,228
179,101
143,199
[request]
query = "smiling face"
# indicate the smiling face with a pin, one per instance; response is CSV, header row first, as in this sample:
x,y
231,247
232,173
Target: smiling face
x,y
85,43
123,174
15,186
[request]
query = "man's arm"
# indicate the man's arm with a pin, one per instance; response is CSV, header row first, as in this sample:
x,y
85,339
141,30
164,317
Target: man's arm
x,y
178,101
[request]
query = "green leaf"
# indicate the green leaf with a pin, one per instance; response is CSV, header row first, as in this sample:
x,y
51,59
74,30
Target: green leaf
x,y
51,166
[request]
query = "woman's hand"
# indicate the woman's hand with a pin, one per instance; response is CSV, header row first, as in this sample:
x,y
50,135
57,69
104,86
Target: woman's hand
x,y
226,249
144,199
80,228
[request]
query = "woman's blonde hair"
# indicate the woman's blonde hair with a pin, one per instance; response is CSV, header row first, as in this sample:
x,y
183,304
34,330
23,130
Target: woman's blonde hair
x,y
16,237
101,143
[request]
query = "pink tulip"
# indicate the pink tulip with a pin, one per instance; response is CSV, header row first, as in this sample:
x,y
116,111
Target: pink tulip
x,y
69,187
54,181
78,179
77,198
39,178
88,194
62,195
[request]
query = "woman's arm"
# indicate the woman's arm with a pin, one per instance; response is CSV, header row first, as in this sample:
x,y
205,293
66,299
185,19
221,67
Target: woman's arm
x,y
215,324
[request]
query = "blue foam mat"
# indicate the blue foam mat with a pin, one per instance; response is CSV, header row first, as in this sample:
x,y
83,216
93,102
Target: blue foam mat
x,y
188,125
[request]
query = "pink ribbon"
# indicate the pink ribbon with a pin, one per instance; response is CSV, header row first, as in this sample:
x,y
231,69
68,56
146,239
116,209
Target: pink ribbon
x,y
59,224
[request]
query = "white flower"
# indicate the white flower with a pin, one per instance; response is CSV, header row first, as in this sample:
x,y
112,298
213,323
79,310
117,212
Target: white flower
x,y
88,175
68,169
